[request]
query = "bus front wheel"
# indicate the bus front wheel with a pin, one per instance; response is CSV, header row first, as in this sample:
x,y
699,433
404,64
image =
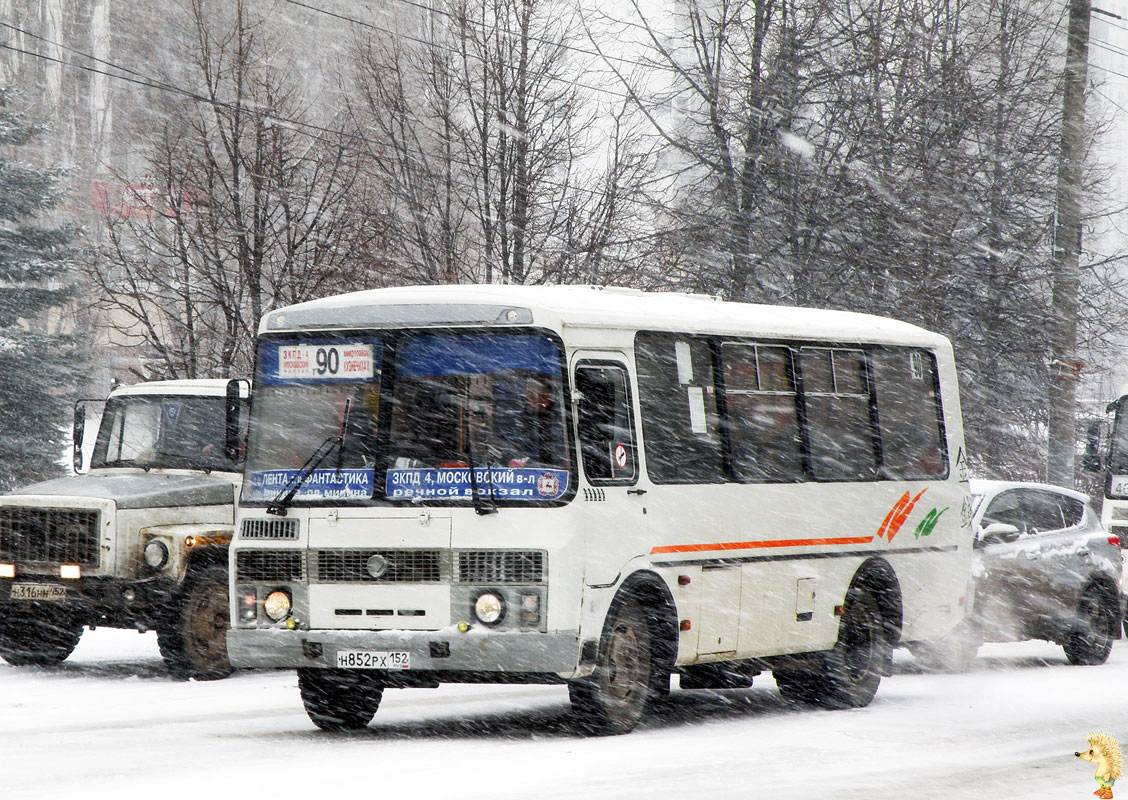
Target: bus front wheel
x,y
337,699
613,699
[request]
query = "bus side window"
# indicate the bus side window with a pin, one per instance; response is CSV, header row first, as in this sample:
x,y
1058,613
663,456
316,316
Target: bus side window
x,y
606,429
678,402
838,414
910,417
761,402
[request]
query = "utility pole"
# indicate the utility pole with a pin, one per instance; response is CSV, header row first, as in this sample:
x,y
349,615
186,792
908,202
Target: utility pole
x,y
1065,367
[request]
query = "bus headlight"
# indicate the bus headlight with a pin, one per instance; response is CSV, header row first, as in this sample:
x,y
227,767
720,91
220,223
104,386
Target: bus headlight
x,y
156,553
489,608
277,605
248,605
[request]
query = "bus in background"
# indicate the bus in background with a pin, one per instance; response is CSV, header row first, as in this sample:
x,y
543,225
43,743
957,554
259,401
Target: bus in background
x,y
1111,462
594,486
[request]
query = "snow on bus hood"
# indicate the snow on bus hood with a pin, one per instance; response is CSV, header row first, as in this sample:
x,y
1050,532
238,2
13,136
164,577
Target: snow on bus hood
x,y
140,491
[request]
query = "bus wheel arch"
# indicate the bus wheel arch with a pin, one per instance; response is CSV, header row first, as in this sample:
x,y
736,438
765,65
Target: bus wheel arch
x,y
877,577
636,653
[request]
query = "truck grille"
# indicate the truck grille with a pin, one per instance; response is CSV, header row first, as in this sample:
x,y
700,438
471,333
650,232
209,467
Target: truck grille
x,y
270,529
403,566
500,566
269,566
49,535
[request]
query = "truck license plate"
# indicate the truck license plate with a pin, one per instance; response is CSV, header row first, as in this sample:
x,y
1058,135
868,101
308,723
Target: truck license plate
x,y
373,659
38,591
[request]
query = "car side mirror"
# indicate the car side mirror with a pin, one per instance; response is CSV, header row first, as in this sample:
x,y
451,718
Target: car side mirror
x,y
232,444
1092,461
78,431
997,533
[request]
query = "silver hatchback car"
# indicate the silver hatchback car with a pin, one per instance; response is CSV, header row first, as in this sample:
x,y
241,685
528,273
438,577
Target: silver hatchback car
x,y
1044,568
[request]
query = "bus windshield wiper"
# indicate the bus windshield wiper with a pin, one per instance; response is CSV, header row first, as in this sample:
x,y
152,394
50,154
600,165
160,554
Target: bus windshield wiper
x,y
479,506
285,496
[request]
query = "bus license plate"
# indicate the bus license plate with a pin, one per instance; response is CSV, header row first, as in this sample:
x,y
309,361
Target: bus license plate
x,y
373,659
38,591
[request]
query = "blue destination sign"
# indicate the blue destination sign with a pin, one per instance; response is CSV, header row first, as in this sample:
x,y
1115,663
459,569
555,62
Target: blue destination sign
x,y
454,483
322,484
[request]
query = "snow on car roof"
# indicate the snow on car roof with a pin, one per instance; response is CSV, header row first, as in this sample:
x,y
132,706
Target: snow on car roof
x,y
586,305
980,486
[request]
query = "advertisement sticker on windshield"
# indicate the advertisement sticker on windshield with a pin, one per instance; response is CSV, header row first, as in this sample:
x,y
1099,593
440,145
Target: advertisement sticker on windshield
x,y
325,361
322,484
525,483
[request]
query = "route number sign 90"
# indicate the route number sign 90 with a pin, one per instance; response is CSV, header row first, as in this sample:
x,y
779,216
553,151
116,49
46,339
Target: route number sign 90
x,y
325,362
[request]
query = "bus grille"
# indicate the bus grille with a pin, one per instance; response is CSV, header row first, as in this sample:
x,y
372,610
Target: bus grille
x,y
270,529
271,566
500,566
49,535
403,566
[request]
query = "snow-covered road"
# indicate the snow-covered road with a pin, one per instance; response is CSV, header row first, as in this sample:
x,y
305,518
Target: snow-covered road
x,y
110,723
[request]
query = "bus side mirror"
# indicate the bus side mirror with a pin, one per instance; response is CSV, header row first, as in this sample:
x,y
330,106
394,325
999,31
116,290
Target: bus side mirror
x,y
78,430
1092,460
232,407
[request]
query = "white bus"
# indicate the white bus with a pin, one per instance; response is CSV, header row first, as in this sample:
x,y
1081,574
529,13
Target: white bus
x,y
1112,462
594,486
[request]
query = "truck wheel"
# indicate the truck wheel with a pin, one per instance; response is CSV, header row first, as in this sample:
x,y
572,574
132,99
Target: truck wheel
x,y
851,671
339,700
1092,642
613,699
193,634
38,636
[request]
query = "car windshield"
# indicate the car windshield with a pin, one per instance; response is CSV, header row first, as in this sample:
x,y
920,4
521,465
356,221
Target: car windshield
x,y
456,413
163,432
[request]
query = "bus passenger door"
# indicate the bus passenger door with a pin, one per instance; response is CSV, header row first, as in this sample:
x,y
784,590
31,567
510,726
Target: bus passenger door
x,y
612,504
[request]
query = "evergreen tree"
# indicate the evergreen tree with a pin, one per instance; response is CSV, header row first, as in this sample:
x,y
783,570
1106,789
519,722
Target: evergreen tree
x,y
38,368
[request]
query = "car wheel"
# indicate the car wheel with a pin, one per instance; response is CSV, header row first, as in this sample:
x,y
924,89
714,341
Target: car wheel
x,y
339,700
192,636
37,635
1091,643
613,699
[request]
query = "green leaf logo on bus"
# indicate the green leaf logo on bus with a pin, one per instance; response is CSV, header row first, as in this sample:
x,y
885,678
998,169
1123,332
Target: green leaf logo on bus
x,y
929,522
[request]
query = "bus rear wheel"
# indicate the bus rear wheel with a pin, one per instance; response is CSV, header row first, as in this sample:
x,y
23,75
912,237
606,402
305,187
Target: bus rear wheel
x,y
613,699
339,700
851,672
38,636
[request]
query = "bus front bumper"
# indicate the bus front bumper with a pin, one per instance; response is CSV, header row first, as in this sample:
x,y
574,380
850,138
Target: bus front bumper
x,y
439,651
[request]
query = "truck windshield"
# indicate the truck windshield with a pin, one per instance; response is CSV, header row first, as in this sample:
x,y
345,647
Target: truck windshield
x,y
163,432
459,412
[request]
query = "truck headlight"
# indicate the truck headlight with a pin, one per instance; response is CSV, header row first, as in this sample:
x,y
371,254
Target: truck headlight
x,y
277,605
156,553
489,608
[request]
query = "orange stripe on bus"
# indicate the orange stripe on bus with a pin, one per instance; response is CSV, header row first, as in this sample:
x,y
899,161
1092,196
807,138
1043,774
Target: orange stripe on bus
x,y
698,548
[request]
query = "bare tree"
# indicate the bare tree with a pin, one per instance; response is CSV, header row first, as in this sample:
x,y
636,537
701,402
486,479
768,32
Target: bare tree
x,y
492,148
249,204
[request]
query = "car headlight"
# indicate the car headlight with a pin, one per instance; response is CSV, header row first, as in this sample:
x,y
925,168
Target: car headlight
x,y
156,553
277,605
489,608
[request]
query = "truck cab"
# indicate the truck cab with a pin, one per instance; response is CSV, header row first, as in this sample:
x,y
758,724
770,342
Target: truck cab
x,y
139,539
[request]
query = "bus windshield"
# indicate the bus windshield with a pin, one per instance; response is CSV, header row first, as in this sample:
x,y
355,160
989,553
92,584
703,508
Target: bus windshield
x,y
457,413
163,432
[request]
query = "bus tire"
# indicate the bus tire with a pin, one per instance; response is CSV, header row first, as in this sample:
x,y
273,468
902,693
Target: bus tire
x,y
851,671
38,636
192,634
339,700
1092,642
613,699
